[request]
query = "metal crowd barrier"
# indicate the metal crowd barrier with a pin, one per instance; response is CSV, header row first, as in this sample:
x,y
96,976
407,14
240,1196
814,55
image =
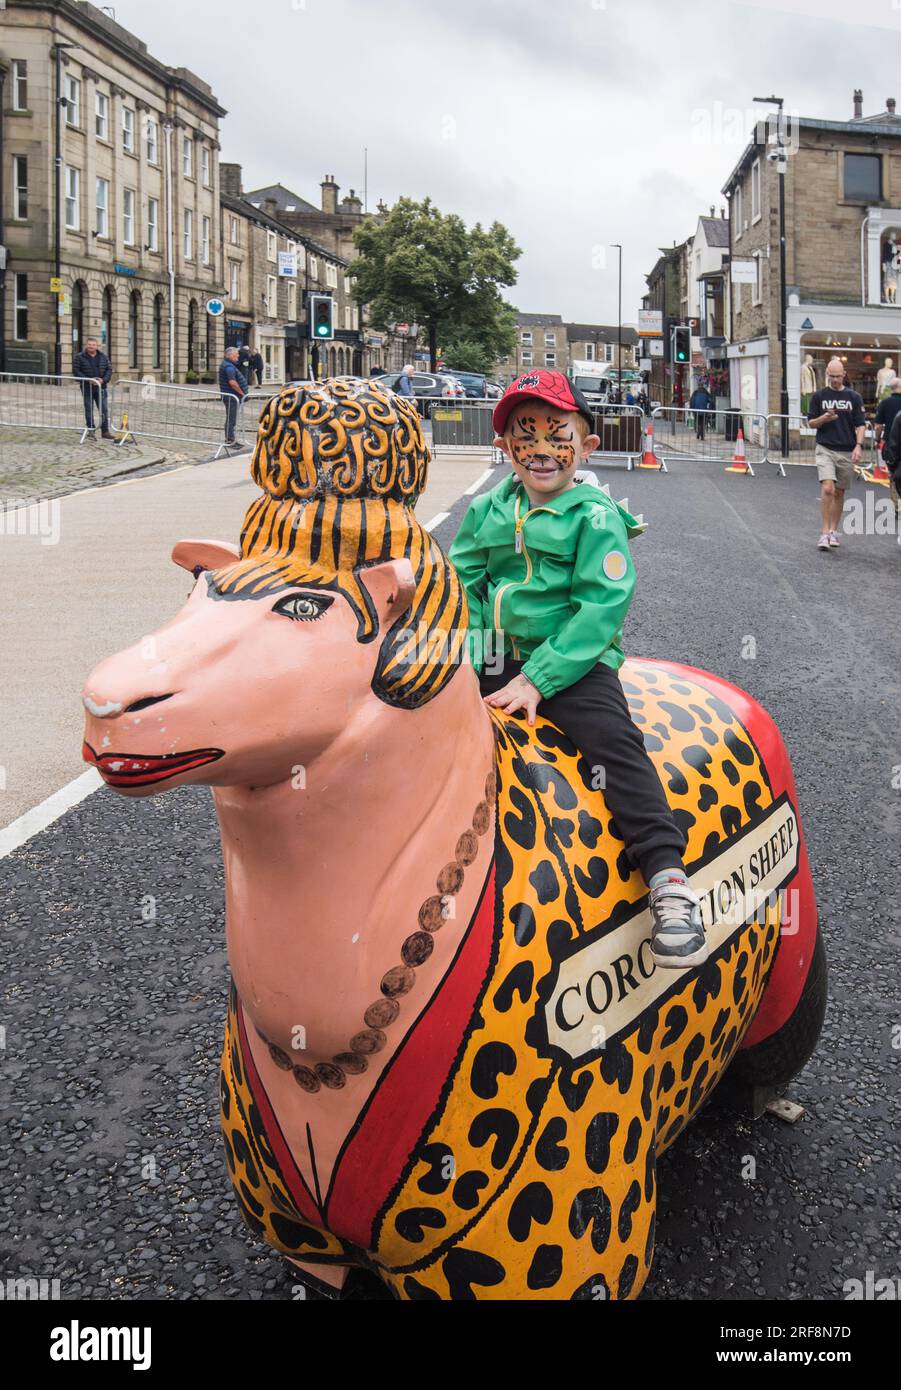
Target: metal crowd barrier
x,y
791,440
182,414
709,435
42,402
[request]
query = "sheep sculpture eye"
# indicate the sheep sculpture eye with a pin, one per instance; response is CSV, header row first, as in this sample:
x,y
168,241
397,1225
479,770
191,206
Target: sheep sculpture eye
x,y
302,607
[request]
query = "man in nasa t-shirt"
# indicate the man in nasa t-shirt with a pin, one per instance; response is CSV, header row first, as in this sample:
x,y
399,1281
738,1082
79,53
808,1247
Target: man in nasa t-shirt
x,y
838,417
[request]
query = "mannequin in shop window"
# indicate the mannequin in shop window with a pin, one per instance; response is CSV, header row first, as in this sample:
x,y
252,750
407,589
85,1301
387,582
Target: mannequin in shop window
x,y
884,378
808,382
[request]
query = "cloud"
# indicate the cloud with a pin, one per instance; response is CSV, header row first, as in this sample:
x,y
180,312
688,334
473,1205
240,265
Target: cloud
x,y
577,123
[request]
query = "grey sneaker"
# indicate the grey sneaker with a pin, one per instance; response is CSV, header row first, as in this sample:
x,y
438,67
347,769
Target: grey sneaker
x,y
823,542
677,934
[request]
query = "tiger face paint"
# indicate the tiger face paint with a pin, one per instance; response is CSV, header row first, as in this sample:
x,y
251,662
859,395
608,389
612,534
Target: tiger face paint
x,y
545,446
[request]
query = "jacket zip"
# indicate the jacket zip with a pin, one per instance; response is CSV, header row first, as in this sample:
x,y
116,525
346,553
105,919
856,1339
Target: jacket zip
x,y
520,546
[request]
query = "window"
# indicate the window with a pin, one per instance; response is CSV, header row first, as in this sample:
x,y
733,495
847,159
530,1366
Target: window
x,y
233,272
737,213
527,359
153,141
233,231
153,224
271,295
205,166
21,306
331,275
314,268
292,301
550,340
755,191
128,130
205,240
589,352
527,339
757,296
72,94
347,285
348,317
550,359
608,352
187,157
20,185
271,246
863,176
128,217
73,190
158,331
101,115
101,226
189,234
20,84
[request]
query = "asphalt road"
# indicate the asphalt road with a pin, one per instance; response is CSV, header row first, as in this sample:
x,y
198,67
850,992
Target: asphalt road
x,y
114,975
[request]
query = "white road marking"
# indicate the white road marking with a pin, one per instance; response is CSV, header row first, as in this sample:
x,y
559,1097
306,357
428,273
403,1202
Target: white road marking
x,y
478,482
436,521
39,817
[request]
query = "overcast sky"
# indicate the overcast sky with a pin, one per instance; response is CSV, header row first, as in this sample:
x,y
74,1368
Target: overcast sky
x,y
575,122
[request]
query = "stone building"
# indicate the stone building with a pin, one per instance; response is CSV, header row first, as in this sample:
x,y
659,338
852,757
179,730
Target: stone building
x,y
843,255
545,341
267,307
667,293
139,197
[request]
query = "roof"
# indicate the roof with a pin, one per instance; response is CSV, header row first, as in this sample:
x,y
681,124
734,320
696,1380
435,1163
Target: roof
x,y
539,320
716,230
286,200
606,333
884,124
246,208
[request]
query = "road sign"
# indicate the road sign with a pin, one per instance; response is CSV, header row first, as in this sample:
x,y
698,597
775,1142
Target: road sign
x,y
650,323
287,263
744,272
656,347
56,284
215,307
645,364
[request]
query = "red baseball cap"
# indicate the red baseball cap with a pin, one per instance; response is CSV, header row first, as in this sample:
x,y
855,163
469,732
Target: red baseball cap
x,y
551,387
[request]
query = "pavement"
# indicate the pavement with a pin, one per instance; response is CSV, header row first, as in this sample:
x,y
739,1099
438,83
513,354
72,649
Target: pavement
x,y
114,972
36,464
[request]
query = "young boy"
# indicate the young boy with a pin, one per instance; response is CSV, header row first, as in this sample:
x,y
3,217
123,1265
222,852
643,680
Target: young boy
x,y
545,562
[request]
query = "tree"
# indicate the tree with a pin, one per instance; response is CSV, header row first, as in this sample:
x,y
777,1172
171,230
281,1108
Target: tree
x,y
422,266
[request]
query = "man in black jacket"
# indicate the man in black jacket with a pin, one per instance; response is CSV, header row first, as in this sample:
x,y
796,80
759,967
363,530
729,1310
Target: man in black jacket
x,y
95,371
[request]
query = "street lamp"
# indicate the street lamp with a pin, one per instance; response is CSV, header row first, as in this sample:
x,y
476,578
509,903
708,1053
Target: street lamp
x,y
619,332
780,157
57,52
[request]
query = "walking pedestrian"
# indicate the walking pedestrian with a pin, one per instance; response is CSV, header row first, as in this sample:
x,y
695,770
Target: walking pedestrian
x,y
233,389
837,415
256,368
700,402
94,370
405,381
886,412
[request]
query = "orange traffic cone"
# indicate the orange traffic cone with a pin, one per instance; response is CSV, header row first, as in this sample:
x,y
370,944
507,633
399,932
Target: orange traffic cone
x,y
739,462
648,458
880,473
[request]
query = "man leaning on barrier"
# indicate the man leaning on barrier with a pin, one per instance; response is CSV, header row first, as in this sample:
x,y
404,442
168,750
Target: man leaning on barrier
x,y
94,370
232,388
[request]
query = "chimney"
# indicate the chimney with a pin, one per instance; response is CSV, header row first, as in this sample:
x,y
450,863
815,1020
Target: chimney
x,y
858,104
230,179
890,106
329,194
352,205
270,207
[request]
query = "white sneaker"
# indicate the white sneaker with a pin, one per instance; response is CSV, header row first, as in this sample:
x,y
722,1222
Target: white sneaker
x,y
823,542
833,539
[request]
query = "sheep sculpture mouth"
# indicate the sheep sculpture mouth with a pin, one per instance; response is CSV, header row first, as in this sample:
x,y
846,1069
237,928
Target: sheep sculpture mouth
x,y
125,770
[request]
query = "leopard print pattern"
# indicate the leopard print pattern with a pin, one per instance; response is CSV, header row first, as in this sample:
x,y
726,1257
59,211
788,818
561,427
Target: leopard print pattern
x,y
535,1179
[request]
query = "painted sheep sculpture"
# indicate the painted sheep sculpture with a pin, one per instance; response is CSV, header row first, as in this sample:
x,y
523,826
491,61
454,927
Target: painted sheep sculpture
x,y
448,1056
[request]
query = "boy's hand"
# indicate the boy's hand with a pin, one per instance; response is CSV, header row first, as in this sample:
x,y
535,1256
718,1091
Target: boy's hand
x,y
519,694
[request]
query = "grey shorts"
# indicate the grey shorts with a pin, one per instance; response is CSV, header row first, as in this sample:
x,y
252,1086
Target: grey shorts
x,y
834,466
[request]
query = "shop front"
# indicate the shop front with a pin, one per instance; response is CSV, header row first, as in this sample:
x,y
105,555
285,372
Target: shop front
x,y
237,332
866,340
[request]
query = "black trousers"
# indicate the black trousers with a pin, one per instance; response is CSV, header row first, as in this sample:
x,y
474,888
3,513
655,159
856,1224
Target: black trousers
x,y
231,415
594,714
92,395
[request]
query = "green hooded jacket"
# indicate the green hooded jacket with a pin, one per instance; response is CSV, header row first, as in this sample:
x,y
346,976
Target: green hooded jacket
x,y
556,580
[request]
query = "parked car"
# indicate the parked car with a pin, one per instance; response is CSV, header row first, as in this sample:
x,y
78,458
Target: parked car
x,y
428,387
493,391
474,383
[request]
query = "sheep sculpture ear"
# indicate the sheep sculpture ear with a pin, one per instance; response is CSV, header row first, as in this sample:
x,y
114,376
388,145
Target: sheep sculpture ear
x,y
197,556
392,586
